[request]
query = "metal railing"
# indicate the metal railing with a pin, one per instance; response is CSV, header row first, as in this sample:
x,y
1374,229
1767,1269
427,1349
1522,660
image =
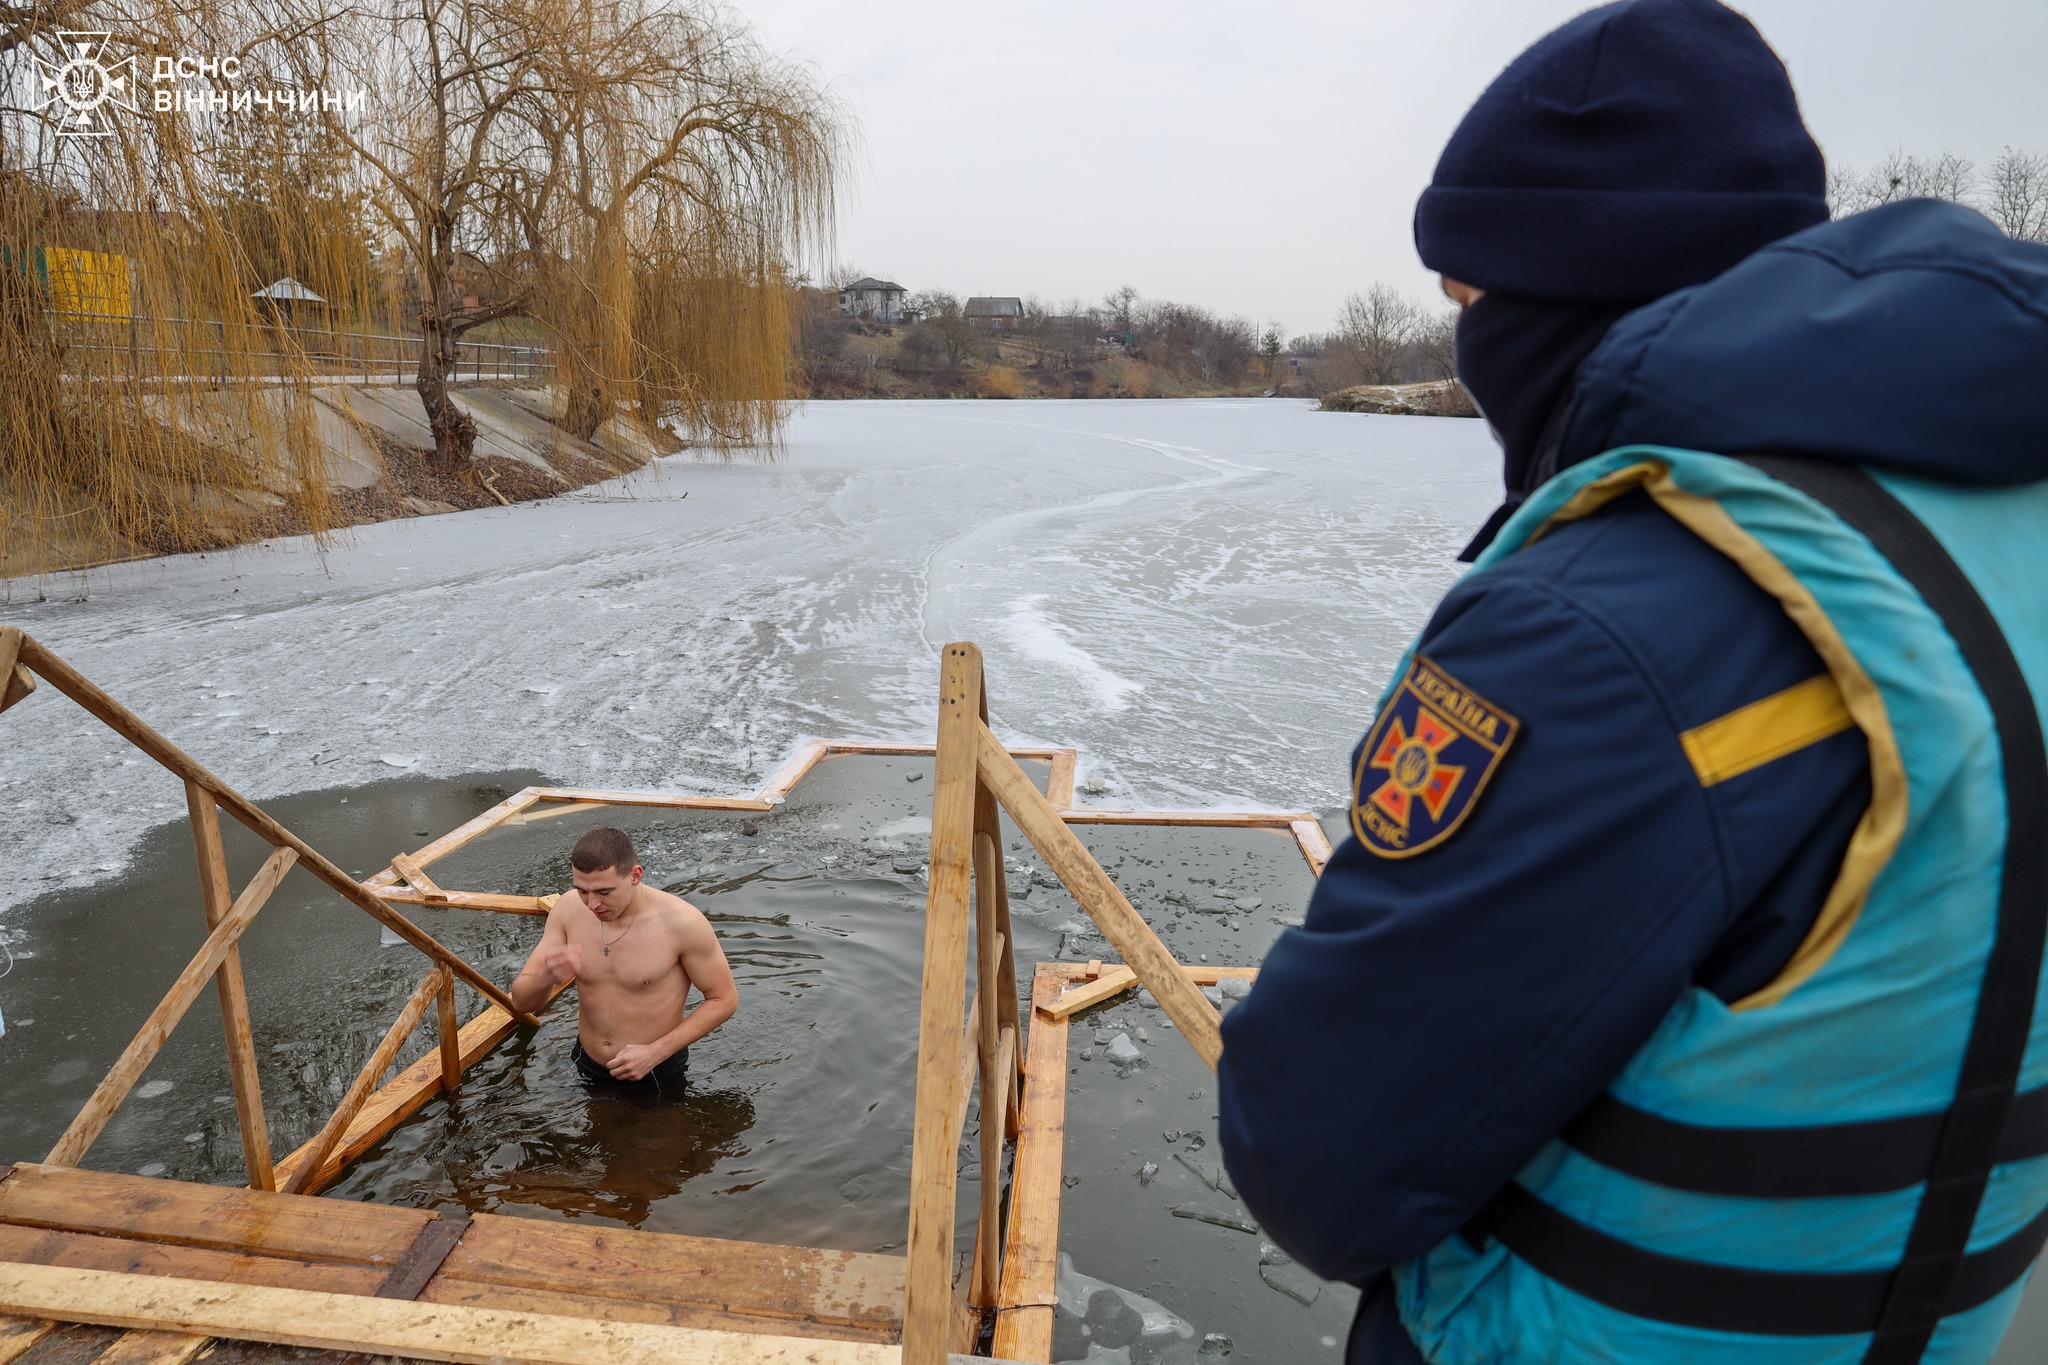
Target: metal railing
x,y
160,349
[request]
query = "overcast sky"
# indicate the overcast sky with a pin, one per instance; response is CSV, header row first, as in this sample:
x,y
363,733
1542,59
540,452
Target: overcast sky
x,y
1264,159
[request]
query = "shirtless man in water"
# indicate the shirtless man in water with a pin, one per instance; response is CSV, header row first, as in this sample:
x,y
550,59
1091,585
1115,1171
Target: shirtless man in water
x,y
633,951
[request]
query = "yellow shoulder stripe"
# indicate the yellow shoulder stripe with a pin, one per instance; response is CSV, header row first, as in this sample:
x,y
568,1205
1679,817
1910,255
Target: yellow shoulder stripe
x,y
1753,735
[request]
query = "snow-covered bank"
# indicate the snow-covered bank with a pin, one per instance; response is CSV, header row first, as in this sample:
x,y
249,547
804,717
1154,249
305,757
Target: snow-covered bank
x,y
1204,596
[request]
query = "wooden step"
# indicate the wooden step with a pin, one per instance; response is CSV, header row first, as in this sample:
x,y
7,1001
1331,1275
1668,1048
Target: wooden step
x,y
95,1220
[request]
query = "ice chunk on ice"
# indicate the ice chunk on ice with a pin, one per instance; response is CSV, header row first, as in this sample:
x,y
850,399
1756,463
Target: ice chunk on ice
x,y
1235,987
1203,1213
1147,1171
400,760
1293,1281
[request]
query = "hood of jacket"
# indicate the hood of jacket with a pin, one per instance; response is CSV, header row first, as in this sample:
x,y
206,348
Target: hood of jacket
x,y
1912,337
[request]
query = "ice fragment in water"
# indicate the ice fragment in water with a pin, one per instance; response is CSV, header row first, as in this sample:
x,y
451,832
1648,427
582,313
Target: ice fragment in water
x,y
1123,1051
1203,1213
1143,1036
1213,994
1235,987
914,777
1097,1321
154,1168
1216,1344
1147,1171
388,937
1170,1134
1249,902
1293,1281
400,760
149,1090
1271,1254
1103,1036
1147,999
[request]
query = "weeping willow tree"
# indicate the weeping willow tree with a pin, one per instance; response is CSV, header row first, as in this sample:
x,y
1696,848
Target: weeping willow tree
x,y
635,177
147,401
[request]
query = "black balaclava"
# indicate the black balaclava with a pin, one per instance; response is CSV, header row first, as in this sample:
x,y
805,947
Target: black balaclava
x,y
1643,147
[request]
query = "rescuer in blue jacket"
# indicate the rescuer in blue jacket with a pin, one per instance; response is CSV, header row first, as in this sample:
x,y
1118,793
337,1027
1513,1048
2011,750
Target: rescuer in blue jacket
x,y
1614,793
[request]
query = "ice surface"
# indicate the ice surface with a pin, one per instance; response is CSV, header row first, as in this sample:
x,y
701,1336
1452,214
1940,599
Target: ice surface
x,y
1096,1321
1203,597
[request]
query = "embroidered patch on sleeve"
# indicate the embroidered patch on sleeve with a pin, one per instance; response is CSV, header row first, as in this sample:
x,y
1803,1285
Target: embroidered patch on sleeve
x,y
1421,770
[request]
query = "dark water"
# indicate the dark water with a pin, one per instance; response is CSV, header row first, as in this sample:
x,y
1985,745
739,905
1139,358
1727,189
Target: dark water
x,y
798,1122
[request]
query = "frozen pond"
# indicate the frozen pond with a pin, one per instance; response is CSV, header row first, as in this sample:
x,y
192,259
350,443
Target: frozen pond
x,y
1203,597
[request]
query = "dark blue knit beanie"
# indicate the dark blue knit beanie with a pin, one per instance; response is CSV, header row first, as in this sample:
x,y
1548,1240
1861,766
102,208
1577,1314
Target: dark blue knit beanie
x,y
1643,147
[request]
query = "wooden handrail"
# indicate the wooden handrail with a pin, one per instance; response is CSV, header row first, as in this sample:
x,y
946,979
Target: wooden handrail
x,y
1089,885
156,1030
216,895
423,996
136,731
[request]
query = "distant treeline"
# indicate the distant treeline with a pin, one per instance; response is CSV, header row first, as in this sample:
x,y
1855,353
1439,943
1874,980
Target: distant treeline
x,y
2012,191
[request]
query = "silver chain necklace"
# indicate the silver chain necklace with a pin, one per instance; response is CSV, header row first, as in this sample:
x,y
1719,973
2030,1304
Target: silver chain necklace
x,y
608,942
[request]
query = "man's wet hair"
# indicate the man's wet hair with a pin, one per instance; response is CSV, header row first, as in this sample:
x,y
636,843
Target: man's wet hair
x,y
604,847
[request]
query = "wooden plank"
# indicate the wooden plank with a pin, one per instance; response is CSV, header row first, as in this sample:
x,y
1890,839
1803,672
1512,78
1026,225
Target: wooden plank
x,y
750,1278
215,1216
1117,980
416,875
777,785
144,1347
18,1334
218,898
423,1259
84,1251
16,682
463,833
381,1058
555,812
464,900
657,799
605,1308
156,1030
997,1118
991,988
132,728
429,1331
1059,787
1194,819
1315,845
1024,1314
928,1292
1088,884
448,1031
906,747
404,1095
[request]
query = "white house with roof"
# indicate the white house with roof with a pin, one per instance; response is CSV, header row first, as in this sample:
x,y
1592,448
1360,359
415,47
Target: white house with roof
x,y
873,300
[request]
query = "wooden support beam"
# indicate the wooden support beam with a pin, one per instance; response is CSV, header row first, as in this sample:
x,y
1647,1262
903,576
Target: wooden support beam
x,y
778,784
218,898
1315,845
156,1030
132,728
389,1327
470,829
403,1097
1088,884
998,1116
16,682
417,877
928,1289
1204,819
1059,787
464,900
658,800
1031,1248
1117,980
448,1030
367,1079
991,987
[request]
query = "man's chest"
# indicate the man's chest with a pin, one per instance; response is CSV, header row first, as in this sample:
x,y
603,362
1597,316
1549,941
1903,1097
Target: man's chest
x,y
630,962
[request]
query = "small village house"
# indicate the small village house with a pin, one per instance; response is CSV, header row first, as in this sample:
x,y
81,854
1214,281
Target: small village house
x,y
873,300
996,314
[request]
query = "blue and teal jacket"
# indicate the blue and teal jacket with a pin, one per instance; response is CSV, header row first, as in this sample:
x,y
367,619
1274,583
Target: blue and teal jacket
x,y
1647,830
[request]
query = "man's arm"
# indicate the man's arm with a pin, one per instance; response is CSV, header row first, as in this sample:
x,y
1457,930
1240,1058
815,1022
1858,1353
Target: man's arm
x,y
1438,1018
703,961
553,960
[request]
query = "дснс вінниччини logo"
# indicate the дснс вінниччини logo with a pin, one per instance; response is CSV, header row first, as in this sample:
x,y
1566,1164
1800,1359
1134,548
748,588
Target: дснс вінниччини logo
x,y
84,84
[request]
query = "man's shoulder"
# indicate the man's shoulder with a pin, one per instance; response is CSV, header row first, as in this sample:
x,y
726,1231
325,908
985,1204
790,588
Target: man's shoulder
x,y
1706,636
674,910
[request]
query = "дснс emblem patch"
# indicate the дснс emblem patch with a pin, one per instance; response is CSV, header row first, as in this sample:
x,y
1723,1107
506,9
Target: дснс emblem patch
x,y
1429,755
